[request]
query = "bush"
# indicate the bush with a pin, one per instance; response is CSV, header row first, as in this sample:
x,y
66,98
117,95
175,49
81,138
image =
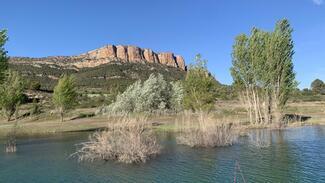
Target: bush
x,y
36,108
200,130
128,141
153,95
199,87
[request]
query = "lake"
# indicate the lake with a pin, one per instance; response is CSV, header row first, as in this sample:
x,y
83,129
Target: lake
x,y
290,155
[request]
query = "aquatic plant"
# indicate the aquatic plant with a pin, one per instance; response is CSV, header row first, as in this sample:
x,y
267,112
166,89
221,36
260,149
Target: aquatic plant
x,y
201,130
128,141
10,146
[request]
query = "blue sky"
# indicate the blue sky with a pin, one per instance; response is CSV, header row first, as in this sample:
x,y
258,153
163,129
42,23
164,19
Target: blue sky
x,y
39,28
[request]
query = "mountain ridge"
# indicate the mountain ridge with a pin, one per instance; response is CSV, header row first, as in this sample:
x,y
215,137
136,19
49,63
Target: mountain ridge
x,y
107,54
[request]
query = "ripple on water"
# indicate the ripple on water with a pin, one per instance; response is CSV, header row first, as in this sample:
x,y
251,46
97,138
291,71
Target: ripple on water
x,y
294,155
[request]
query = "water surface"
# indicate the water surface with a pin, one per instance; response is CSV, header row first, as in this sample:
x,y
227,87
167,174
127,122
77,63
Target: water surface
x,y
291,155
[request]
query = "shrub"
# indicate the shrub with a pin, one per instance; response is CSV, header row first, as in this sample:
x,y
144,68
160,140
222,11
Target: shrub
x,y
153,95
127,141
36,108
177,96
34,85
200,130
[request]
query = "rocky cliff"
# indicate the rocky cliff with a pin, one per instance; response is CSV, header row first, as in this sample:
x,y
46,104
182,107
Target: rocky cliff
x,y
110,53
129,54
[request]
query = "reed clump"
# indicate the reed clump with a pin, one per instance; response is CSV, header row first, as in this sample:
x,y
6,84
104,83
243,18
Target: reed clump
x,y
10,146
129,140
202,130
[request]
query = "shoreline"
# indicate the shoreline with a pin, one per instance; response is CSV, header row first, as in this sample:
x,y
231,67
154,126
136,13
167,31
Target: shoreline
x,y
159,124
226,111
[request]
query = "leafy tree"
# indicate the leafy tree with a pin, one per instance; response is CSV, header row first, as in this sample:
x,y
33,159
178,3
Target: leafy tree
x,y
279,56
11,93
65,94
177,96
199,87
263,71
3,54
317,86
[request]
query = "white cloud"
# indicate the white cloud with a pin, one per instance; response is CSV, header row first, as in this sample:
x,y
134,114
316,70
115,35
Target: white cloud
x,y
318,2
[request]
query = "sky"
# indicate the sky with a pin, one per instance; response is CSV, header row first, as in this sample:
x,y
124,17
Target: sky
x,y
38,28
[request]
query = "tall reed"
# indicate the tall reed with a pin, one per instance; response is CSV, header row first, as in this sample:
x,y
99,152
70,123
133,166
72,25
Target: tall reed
x,y
202,130
129,140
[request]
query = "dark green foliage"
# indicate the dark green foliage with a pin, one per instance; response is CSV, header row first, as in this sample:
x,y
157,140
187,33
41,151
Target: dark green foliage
x,y
36,108
317,86
3,54
199,87
46,75
34,85
95,100
226,92
306,95
280,58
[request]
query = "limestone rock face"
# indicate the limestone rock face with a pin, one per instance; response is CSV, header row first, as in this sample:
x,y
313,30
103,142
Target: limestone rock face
x,y
108,51
134,54
167,59
180,62
111,53
155,56
149,56
121,53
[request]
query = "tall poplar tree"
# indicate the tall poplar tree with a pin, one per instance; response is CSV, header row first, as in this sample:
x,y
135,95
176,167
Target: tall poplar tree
x,y
65,94
3,54
263,71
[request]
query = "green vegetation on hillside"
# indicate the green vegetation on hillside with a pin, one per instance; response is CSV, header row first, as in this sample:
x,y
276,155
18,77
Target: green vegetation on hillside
x,y
107,78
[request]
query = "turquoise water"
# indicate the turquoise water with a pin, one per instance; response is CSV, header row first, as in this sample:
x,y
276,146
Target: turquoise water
x,y
292,155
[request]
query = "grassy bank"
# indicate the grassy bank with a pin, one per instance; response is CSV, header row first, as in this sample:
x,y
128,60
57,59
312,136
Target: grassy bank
x,y
82,120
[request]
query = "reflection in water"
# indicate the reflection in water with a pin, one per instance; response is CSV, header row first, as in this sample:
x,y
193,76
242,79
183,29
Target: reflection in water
x,y
260,138
292,155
